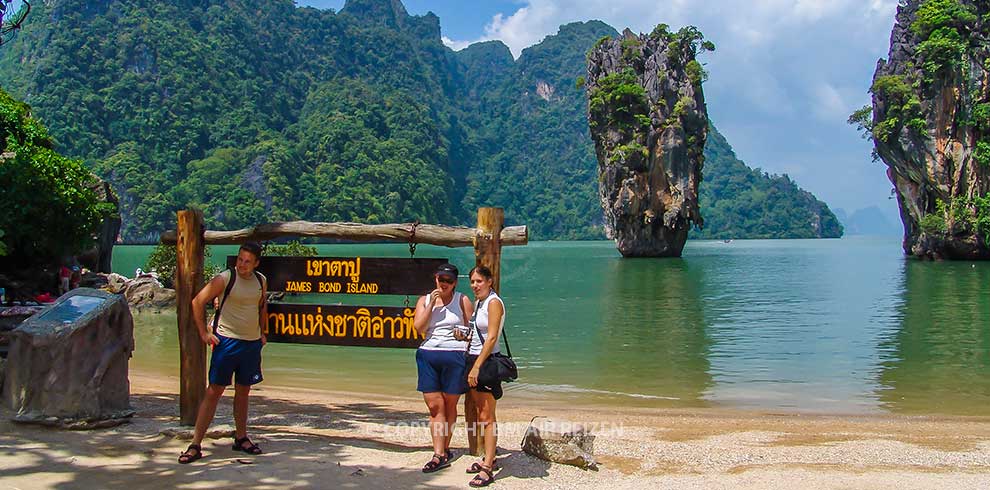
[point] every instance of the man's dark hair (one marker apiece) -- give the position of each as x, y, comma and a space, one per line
253, 247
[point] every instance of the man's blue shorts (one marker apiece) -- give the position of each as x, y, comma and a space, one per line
238, 358
441, 371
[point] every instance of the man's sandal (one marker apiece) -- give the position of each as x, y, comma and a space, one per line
188, 456
251, 448
438, 462
481, 481
477, 465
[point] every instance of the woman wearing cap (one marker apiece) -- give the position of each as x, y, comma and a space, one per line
442, 317
486, 326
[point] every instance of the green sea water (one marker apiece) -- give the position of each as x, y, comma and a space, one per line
828, 326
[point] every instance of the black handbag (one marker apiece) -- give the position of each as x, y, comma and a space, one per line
497, 367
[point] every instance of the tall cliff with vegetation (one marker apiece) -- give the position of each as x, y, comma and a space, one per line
930, 123
649, 123
277, 112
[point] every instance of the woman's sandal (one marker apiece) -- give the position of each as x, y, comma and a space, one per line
438, 462
251, 448
477, 465
480, 481
188, 456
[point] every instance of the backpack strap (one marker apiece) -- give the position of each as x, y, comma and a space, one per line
226, 292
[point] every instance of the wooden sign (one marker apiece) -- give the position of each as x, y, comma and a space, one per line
368, 326
348, 275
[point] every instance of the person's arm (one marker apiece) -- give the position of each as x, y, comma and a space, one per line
467, 311
495, 312
263, 312
421, 320
467, 308
212, 289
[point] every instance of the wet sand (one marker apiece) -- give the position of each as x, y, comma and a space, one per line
328, 439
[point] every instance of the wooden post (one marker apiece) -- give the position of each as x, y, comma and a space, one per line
188, 281
487, 252
488, 244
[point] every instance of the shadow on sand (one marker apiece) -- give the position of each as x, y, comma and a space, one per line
306, 445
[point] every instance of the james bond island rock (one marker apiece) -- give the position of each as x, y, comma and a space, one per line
649, 123
68, 364
930, 123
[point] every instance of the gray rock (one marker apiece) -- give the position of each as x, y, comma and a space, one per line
98, 258
3, 366
116, 283
560, 442
648, 140
147, 291
68, 363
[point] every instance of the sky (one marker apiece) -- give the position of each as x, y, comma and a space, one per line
784, 77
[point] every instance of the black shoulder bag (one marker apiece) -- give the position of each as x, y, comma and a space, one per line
497, 367
226, 292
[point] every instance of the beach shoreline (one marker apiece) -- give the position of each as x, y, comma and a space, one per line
316, 438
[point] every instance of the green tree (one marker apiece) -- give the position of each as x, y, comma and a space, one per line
50, 204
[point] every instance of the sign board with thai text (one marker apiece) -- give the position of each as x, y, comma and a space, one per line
348, 275
368, 326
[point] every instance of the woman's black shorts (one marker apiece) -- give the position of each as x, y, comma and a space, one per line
494, 389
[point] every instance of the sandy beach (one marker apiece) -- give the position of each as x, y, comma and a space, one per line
326, 439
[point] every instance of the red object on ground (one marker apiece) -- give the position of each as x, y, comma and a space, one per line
45, 298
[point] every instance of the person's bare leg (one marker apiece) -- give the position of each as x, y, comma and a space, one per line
450, 409
241, 393
438, 419
207, 409
486, 417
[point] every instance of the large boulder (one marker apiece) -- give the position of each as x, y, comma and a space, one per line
147, 291
560, 442
68, 363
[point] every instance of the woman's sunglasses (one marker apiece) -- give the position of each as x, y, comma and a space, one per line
446, 280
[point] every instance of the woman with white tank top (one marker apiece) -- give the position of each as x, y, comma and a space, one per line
442, 318
488, 321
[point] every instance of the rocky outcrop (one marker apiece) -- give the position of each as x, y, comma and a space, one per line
560, 442
649, 124
98, 258
931, 126
68, 363
144, 290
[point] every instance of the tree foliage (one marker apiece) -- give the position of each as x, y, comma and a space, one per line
49, 202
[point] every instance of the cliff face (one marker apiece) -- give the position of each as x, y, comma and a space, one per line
649, 124
931, 126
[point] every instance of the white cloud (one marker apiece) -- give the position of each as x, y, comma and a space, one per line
829, 104
455, 45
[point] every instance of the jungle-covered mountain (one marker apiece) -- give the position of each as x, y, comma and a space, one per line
271, 112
